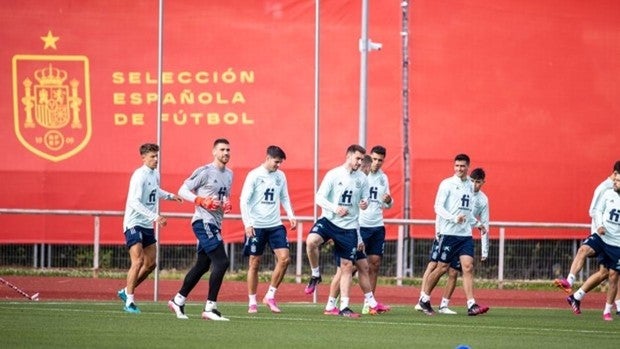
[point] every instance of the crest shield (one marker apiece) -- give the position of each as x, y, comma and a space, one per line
51, 104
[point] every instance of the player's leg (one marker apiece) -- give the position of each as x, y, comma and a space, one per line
220, 263
346, 276
374, 307
254, 248
193, 276
282, 261
280, 247
431, 281
588, 248
331, 307
429, 268
612, 291
448, 291
253, 266
136, 255
149, 262
314, 241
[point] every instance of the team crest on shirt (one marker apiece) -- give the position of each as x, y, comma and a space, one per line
358, 184
278, 182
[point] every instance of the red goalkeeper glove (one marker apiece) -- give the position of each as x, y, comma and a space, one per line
227, 206
207, 203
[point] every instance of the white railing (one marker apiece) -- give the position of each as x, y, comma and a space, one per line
401, 252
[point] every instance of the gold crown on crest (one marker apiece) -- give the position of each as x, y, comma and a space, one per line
50, 76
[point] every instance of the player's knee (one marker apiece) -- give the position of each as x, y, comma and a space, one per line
584, 251
284, 261
313, 241
453, 273
254, 263
150, 266
222, 264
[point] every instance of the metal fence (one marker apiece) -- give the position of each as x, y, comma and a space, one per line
406, 257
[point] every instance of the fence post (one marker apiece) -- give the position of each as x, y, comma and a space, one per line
400, 255
298, 260
500, 262
96, 242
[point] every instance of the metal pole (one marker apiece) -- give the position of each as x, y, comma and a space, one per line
399, 256
405, 114
363, 75
299, 258
317, 23
317, 40
160, 30
500, 262
96, 245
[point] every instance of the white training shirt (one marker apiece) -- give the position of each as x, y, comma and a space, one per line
378, 185
208, 181
142, 198
481, 214
341, 187
454, 197
261, 196
607, 215
596, 198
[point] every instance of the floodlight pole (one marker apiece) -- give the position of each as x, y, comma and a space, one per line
363, 47
160, 28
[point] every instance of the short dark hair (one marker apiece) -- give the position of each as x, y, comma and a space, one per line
220, 140
276, 152
356, 148
148, 147
478, 173
462, 157
367, 159
617, 166
378, 149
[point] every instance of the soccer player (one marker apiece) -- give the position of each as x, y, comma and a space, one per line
607, 220
453, 205
591, 247
209, 188
372, 227
140, 213
342, 193
481, 214
264, 190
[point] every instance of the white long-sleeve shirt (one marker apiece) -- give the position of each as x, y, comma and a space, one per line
454, 197
607, 215
261, 196
378, 185
481, 214
596, 198
143, 198
341, 187
208, 181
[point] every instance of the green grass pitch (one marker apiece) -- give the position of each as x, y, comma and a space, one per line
105, 325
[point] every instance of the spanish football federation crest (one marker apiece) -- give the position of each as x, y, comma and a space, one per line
51, 104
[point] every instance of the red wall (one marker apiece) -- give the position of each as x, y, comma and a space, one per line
528, 89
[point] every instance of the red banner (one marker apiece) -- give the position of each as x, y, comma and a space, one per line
528, 89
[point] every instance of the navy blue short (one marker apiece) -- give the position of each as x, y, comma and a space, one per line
456, 264
374, 240
610, 257
209, 236
595, 242
275, 236
345, 240
138, 234
451, 248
